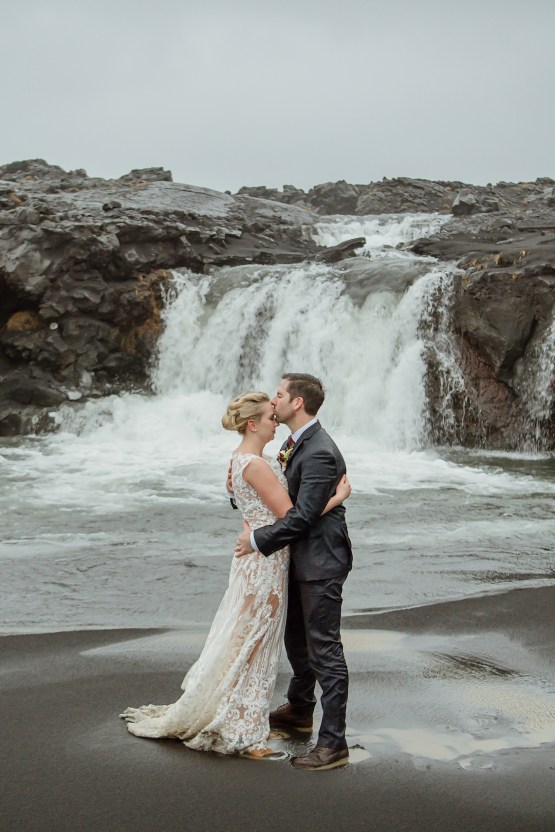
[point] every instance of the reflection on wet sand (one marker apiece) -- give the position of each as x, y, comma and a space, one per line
461, 693
461, 681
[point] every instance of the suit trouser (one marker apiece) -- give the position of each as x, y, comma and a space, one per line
315, 652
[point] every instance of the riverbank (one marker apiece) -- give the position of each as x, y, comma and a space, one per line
68, 762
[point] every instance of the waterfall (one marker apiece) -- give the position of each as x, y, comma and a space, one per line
302, 319
370, 327
540, 388
446, 383
357, 325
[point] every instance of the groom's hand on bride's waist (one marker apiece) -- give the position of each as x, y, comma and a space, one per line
243, 545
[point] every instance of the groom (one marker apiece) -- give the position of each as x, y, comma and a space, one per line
321, 558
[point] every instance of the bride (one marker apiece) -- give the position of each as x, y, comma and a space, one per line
227, 693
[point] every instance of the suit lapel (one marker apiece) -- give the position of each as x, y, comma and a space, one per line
303, 437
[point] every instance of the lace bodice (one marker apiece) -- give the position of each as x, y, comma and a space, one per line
249, 503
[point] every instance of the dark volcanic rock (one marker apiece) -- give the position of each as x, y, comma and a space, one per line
341, 251
19, 387
147, 175
404, 195
502, 309
289, 195
465, 203
390, 196
334, 198
84, 262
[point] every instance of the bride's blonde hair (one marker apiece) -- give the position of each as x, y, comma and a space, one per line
244, 407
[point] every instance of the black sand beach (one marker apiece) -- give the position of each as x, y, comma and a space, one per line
68, 763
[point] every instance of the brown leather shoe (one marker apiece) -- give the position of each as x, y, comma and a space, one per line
322, 758
286, 717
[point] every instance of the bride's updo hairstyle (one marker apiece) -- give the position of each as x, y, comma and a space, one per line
244, 407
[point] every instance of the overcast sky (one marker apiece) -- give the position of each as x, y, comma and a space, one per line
227, 93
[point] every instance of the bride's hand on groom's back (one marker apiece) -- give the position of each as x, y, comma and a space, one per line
344, 488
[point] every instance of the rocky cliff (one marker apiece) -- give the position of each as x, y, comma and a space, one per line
83, 267
501, 316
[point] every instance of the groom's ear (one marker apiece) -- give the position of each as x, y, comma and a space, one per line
297, 403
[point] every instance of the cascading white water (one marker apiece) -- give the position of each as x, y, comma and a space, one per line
381, 231
539, 401
244, 328
301, 319
445, 358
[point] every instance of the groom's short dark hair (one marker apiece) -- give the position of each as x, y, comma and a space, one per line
309, 388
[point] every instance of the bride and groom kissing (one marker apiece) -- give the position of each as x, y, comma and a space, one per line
286, 580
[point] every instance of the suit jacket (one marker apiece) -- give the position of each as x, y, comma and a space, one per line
319, 545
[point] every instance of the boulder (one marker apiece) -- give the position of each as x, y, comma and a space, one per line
341, 251
334, 198
21, 388
147, 175
17, 419
465, 203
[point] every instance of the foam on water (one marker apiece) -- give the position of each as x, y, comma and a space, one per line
380, 231
138, 479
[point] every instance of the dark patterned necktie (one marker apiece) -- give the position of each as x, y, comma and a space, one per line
290, 441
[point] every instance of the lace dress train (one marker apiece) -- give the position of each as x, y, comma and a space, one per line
227, 693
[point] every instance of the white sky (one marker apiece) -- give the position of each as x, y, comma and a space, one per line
227, 93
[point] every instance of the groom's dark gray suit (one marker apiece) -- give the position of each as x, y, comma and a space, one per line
321, 558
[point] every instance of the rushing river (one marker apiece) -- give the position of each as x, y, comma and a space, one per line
120, 519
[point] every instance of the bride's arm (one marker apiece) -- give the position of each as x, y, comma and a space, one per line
342, 493
259, 474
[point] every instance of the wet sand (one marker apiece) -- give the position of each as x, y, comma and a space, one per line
68, 763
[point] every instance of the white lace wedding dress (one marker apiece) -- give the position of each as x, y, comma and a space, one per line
227, 693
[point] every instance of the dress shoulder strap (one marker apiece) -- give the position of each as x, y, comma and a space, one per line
240, 461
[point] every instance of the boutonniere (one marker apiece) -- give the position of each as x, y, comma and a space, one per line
283, 457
